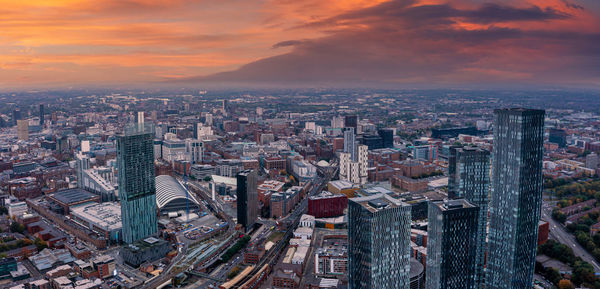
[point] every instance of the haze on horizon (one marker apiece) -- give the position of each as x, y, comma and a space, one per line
280, 42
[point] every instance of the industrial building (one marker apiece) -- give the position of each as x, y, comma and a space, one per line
66, 199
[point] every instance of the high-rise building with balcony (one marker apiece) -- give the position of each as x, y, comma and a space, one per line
355, 171
137, 189
516, 197
379, 242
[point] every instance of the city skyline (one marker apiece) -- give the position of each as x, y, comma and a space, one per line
466, 43
338, 144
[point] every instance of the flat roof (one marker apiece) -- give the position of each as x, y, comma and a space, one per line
105, 215
71, 196
377, 202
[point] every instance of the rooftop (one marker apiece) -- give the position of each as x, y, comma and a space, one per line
377, 202
71, 196
105, 215
447, 205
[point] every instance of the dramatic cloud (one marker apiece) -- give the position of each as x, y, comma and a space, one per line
402, 42
306, 42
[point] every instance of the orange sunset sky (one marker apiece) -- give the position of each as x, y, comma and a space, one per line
58, 43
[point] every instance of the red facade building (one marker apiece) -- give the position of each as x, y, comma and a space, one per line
327, 205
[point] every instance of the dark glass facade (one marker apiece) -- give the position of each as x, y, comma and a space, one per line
137, 189
387, 136
378, 242
452, 245
516, 198
469, 178
41, 114
351, 121
373, 142
247, 198
558, 136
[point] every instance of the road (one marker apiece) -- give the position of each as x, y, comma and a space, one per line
543, 282
273, 255
559, 233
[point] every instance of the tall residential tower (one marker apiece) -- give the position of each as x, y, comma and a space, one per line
137, 190
516, 197
379, 242
452, 245
469, 178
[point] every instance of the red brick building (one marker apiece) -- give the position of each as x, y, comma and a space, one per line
409, 184
285, 279
543, 232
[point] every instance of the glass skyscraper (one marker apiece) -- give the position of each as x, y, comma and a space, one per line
452, 245
379, 242
350, 145
247, 198
516, 197
469, 178
137, 190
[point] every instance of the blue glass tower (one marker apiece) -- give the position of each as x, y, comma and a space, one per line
378, 242
469, 178
137, 189
516, 198
452, 245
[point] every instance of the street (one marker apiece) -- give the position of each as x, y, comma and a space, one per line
559, 233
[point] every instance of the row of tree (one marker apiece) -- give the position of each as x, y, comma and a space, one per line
583, 272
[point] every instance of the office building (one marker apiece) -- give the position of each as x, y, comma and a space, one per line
373, 142
194, 149
351, 121
16, 115
425, 152
379, 242
469, 178
516, 197
225, 106
247, 198
100, 181
387, 137
200, 130
558, 136
137, 190
337, 122
208, 119
23, 129
41, 114
452, 245
453, 132
591, 161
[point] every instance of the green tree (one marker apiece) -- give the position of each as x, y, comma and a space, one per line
16, 227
